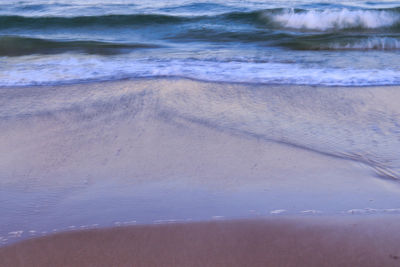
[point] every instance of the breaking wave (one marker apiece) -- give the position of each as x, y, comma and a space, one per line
322, 20
308, 19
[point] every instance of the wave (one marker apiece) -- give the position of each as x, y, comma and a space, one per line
303, 19
322, 28
341, 42
20, 46
322, 20
67, 68
384, 43
84, 21
265, 30
325, 41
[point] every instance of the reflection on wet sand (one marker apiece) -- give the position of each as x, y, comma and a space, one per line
157, 150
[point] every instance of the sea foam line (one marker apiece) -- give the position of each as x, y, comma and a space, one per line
60, 69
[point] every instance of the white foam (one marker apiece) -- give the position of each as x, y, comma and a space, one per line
166, 221
66, 68
277, 211
373, 43
364, 211
335, 19
310, 212
16, 233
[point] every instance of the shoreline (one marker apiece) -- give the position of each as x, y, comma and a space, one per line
285, 241
94, 82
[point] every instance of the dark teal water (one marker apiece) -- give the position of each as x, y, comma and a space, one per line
281, 42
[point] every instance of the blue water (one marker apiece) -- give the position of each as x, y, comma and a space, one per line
353, 43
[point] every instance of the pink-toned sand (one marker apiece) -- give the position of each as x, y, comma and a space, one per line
355, 241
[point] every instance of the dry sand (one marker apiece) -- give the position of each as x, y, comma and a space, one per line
307, 241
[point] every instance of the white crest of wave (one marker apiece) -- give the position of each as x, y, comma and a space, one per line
377, 43
336, 19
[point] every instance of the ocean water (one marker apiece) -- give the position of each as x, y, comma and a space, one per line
211, 109
351, 43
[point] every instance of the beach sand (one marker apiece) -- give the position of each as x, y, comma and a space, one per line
153, 150
317, 241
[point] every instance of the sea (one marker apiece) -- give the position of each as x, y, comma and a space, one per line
349, 43
119, 112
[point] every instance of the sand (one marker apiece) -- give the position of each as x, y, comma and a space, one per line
317, 241
177, 149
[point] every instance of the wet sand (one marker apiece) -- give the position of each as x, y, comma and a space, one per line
152, 150
305, 241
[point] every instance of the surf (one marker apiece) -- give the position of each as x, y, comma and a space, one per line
323, 20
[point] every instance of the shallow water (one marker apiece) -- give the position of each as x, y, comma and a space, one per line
161, 150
